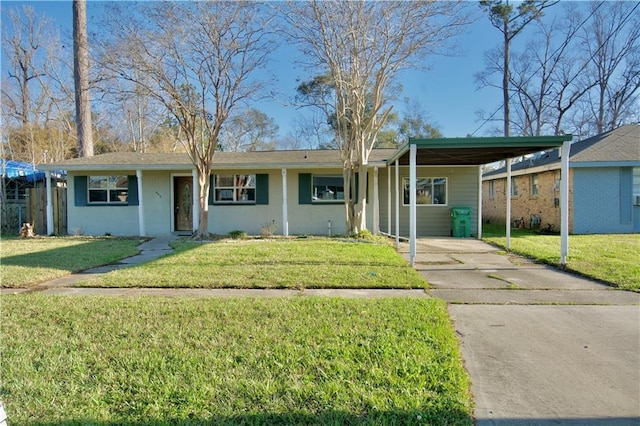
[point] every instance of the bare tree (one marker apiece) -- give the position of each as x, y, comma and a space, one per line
199, 60
612, 42
249, 130
510, 22
35, 101
363, 45
81, 79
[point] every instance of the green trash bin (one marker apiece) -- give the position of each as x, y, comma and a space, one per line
461, 222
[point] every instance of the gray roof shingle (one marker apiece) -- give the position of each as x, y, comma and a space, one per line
236, 160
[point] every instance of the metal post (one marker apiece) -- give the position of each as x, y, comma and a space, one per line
508, 198
564, 202
376, 201
47, 177
141, 227
412, 202
397, 205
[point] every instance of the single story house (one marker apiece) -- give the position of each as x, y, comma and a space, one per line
604, 186
301, 191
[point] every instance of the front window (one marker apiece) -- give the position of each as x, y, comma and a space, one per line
492, 189
327, 188
235, 188
108, 189
514, 187
430, 191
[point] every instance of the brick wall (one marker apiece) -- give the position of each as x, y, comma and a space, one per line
545, 204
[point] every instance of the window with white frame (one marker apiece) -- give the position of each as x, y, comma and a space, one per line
534, 184
514, 187
108, 189
327, 188
235, 188
430, 191
492, 189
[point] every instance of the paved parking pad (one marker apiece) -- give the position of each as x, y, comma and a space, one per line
552, 364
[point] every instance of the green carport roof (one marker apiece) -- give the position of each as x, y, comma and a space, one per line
474, 151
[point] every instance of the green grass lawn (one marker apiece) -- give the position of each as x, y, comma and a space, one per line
613, 258
152, 361
299, 263
26, 262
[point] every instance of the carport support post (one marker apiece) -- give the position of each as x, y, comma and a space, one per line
141, 226
389, 199
412, 202
397, 170
564, 201
479, 202
507, 196
285, 213
47, 179
376, 203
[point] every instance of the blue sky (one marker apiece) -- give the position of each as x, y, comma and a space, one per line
447, 91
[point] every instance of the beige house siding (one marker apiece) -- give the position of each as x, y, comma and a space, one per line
462, 191
545, 205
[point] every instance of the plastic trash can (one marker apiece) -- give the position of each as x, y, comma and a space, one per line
461, 222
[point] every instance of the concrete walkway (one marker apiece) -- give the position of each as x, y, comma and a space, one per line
541, 346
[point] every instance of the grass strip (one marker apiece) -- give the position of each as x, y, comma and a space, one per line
314, 263
612, 258
152, 361
27, 262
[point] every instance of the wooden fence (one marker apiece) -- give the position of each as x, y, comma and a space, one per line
37, 210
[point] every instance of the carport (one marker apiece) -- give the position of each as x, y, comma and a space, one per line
476, 152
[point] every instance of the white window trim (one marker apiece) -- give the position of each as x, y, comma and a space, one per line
446, 178
330, 201
234, 189
108, 189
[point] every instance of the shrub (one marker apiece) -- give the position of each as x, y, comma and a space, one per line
237, 234
268, 229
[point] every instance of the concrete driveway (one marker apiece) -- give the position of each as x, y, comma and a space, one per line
541, 346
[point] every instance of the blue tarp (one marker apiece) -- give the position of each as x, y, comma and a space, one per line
17, 169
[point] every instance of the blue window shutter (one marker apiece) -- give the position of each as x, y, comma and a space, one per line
80, 190
626, 192
262, 188
304, 188
133, 190
212, 189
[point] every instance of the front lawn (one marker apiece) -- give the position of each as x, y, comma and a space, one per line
612, 258
299, 263
152, 361
27, 262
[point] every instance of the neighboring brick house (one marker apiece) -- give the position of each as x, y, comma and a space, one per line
604, 187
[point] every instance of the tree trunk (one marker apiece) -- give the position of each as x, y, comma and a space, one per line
505, 80
203, 201
360, 216
81, 79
